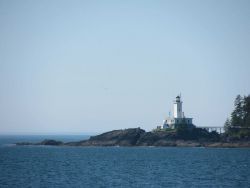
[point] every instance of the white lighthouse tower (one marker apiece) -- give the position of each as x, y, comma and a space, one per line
178, 117
178, 107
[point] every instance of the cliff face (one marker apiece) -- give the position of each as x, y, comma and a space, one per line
160, 138
139, 137
131, 137
126, 137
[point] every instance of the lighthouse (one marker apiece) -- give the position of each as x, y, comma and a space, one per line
178, 107
178, 117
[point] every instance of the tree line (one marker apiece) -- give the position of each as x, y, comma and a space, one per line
238, 124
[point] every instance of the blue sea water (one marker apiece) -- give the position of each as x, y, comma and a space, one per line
48, 166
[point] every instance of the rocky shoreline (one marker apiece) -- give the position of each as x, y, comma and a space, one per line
139, 137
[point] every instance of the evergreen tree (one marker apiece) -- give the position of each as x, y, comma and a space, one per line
238, 126
246, 110
237, 114
227, 125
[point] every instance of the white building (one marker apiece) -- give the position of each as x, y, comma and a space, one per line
178, 118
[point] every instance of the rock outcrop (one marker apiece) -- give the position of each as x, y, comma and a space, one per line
126, 137
139, 137
44, 142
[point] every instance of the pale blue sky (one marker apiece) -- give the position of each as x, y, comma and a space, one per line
94, 66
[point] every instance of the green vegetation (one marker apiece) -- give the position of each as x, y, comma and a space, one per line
238, 125
158, 129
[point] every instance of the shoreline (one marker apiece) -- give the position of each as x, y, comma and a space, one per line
184, 144
136, 137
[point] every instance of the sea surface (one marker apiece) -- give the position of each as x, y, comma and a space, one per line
53, 166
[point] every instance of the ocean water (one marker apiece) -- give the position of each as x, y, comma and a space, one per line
48, 166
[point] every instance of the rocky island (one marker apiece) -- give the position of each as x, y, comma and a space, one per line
182, 134
139, 137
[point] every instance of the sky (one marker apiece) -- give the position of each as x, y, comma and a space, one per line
75, 67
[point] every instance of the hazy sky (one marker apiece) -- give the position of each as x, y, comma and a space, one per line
94, 66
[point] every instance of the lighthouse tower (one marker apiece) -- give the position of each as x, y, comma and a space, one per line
178, 117
178, 107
